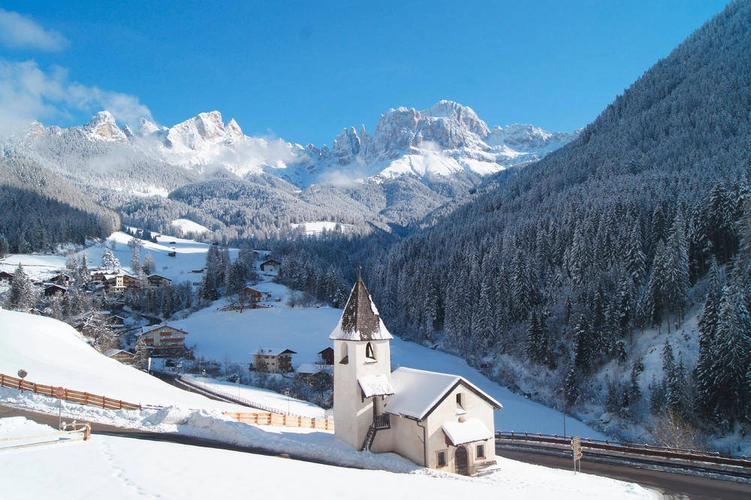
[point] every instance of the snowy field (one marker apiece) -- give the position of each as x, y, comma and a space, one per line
130, 468
53, 353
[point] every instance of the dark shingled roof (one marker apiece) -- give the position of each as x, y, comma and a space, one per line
360, 319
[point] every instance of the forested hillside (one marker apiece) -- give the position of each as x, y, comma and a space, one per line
39, 210
561, 268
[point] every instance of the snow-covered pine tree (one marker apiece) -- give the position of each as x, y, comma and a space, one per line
21, 295
109, 261
148, 266
135, 261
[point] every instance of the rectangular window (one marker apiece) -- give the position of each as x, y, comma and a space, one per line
480, 451
441, 459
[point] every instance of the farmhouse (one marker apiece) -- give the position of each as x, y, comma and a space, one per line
326, 356
273, 360
252, 296
62, 279
54, 290
164, 341
6, 278
117, 282
157, 281
437, 420
270, 266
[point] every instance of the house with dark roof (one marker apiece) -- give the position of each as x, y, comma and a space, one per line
271, 266
52, 290
437, 420
6, 278
273, 360
157, 281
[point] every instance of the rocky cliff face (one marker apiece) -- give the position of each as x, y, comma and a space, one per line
444, 140
414, 162
104, 128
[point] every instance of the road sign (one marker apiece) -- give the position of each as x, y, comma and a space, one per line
576, 446
59, 392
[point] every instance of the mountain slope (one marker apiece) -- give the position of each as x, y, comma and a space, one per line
39, 210
553, 275
415, 162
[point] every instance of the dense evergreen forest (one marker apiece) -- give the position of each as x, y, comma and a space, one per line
641, 220
40, 211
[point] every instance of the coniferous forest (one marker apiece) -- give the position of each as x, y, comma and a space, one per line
641, 222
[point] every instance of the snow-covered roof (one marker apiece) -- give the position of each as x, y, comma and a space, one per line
375, 385
312, 368
273, 351
111, 352
160, 327
417, 392
360, 319
471, 430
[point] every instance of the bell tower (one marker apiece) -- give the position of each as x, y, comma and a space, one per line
362, 367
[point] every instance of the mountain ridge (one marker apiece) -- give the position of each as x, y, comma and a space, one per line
414, 162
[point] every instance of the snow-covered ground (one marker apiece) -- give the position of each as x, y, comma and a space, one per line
53, 353
122, 468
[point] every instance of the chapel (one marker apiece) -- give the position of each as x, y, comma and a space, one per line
437, 420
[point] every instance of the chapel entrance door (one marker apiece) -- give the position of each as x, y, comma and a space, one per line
461, 460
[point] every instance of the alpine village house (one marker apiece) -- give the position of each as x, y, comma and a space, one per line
437, 420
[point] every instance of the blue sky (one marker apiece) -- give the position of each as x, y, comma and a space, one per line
302, 71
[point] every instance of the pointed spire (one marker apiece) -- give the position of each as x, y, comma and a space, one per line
360, 319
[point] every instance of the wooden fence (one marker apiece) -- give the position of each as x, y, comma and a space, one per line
69, 432
282, 420
83, 398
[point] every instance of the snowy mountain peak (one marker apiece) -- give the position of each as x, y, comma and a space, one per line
528, 138
446, 126
346, 146
201, 131
146, 127
104, 128
460, 114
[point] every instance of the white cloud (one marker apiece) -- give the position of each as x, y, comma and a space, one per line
28, 93
17, 31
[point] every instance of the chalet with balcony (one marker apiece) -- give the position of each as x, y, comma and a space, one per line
273, 360
164, 341
157, 281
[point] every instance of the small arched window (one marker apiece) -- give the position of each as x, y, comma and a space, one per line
369, 352
345, 354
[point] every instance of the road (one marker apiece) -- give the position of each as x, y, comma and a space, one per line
672, 484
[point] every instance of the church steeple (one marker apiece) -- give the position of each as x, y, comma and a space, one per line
362, 367
360, 319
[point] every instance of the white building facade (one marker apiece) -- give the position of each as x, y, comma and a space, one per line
437, 420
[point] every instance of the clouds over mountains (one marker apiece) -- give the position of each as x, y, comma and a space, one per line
30, 92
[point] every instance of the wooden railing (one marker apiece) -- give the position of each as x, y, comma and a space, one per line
282, 420
83, 398
68, 433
